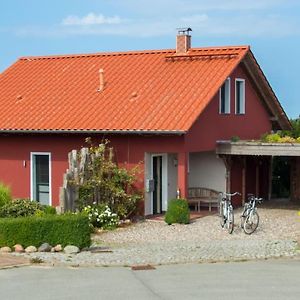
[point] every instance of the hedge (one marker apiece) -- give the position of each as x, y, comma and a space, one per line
53, 229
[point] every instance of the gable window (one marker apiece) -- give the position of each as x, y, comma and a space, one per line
239, 96
225, 97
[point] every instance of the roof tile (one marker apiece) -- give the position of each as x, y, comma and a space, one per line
145, 90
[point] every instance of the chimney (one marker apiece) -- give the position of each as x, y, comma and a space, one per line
183, 40
101, 80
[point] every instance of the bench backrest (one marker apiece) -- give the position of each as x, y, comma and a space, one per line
200, 192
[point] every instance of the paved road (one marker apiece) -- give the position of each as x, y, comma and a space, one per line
276, 279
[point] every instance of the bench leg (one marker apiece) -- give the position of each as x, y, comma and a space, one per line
209, 207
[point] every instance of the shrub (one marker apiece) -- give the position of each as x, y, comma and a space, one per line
69, 229
101, 216
20, 208
178, 212
287, 139
49, 210
272, 138
102, 181
5, 194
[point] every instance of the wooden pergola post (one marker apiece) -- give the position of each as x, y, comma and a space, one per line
244, 172
228, 163
257, 177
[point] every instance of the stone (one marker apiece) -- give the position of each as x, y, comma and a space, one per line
70, 249
30, 249
18, 248
58, 248
5, 250
45, 247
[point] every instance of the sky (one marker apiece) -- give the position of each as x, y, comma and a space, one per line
270, 27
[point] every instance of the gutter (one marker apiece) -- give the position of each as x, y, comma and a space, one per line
138, 132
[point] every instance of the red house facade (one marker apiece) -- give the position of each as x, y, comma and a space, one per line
164, 110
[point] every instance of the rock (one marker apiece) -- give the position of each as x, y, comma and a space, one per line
70, 249
45, 247
58, 248
30, 249
18, 248
5, 250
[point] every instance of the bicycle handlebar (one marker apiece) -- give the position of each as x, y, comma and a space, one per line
231, 195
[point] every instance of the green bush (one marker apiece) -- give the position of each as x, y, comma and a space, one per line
101, 216
20, 208
69, 229
49, 210
178, 212
5, 194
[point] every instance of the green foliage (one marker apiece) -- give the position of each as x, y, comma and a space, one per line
103, 182
25, 207
271, 138
49, 210
53, 229
178, 212
235, 138
5, 194
279, 138
101, 216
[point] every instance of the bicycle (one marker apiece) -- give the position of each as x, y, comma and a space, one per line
250, 217
226, 211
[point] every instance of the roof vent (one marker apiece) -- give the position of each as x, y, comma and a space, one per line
101, 80
183, 40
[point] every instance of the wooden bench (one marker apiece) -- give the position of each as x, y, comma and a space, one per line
199, 196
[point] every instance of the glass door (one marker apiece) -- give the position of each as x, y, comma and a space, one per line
40, 186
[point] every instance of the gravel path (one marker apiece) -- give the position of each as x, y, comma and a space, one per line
155, 242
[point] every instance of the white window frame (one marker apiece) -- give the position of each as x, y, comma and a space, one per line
227, 98
243, 100
32, 154
164, 186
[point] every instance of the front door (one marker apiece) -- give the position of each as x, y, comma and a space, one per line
157, 178
40, 178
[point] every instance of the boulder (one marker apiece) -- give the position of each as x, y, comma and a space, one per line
58, 248
18, 248
5, 250
45, 247
70, 249
30, 249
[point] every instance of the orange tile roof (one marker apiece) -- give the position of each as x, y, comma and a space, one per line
144, 91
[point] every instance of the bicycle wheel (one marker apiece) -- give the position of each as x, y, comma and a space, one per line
251, 222
221, 214
230, 220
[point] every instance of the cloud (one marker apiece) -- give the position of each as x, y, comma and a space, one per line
91, 19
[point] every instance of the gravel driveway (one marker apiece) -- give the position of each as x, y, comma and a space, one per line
155, 242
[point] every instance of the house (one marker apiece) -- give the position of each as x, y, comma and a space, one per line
164, 109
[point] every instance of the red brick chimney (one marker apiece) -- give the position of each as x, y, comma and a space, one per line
183, 40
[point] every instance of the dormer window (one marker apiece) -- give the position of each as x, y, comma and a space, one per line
239, 96
225, 97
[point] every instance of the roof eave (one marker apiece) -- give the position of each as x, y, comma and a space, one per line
269, 96
132, 132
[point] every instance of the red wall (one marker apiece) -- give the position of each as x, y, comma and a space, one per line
130, 150
212, 126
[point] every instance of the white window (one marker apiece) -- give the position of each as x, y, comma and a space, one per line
239, 96
225, 97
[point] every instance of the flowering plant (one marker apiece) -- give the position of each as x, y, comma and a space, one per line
101, 216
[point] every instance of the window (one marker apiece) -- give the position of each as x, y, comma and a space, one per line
239, 96
225, 97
